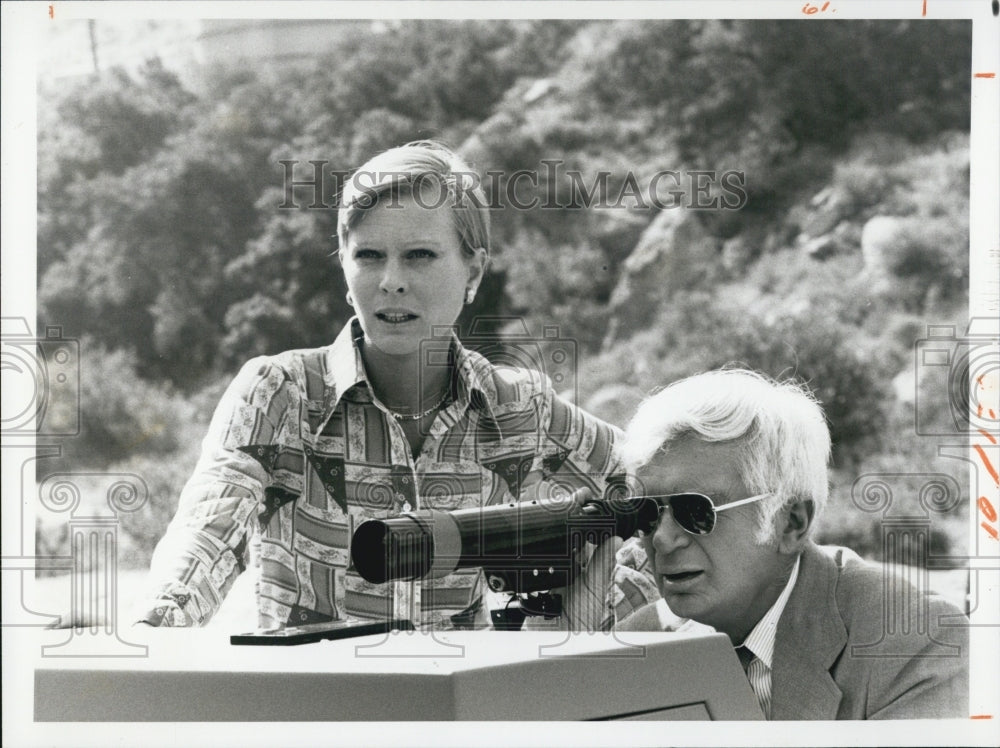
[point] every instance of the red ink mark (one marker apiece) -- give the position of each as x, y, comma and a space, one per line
992, 414
924, 12
52, 12
991, 530
981, 716
987, 508
987, 464
984, 75
988, 435
810, 9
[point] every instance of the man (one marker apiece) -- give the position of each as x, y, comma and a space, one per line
738, 464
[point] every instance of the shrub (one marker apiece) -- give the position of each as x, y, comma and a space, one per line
120, 413
142, 529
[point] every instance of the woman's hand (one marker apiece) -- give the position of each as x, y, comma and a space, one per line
82, 621
79, 620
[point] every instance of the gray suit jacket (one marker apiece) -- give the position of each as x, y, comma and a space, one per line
856, 643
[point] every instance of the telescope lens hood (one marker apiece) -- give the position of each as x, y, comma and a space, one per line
398, 548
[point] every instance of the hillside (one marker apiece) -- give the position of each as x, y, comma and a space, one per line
830, 230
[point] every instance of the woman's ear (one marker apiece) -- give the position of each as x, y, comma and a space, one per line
798, 518
477, 268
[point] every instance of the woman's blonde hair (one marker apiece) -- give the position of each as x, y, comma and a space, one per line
417, 169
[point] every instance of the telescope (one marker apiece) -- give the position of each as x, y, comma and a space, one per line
523, 547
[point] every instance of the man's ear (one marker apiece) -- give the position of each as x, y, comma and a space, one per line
797, 519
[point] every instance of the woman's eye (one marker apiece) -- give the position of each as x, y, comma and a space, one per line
420, 254
366, 254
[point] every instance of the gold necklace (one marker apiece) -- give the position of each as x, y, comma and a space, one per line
418, 416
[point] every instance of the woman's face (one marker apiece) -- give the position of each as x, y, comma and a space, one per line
406, 271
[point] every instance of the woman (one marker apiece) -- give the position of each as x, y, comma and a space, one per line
395, 415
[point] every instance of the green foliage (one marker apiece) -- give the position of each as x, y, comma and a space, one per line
104, 128
905, 463
142, 529
699, 331
121, 414
548, 282
752, 95
161, 238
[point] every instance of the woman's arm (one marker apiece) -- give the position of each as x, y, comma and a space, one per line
207, 543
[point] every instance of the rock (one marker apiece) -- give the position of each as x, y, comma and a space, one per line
618, 231
539, 88
822, 247
832, 205
905, 387
780, 238
675, 252
881, 239
848, 233
737, 254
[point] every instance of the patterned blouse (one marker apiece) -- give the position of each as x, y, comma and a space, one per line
298, 454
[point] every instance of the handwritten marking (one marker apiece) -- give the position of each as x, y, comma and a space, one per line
981, 716
987, 508
987, 464
984, 75
810, 9
52, 12
988, 513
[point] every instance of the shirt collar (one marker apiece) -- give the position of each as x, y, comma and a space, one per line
344, 366
760, 640
475, 374
345, 369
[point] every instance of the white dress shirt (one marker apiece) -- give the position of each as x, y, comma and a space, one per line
760, 642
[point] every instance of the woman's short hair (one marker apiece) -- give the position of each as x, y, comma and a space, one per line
781, 432
430, 171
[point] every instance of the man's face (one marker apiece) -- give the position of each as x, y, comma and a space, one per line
723, 579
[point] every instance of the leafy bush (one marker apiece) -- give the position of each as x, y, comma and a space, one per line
700, 331
142, 529
161, 239
122, 414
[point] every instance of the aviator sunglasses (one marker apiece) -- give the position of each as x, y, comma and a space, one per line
695, 513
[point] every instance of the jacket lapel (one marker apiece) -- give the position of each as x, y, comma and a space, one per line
810, 637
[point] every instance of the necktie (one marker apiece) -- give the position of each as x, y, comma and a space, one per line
747, 659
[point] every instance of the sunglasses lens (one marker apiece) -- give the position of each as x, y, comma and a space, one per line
693, 512
648, 518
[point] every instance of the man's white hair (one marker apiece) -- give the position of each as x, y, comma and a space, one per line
781, 432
